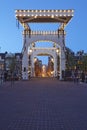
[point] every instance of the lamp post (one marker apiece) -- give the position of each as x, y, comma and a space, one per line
29, 68
35, 66
58, 62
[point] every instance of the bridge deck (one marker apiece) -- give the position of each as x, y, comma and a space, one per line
43, 104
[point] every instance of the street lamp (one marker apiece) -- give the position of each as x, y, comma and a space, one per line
57, 50
52, 60
35, 59
58, 62
30, 51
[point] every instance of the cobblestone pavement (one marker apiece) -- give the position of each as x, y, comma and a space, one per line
43, 104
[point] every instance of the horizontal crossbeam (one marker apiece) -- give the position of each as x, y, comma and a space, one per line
43, 16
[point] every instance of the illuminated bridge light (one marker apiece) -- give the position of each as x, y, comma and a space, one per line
64, 10
48, 15
60, 10
24, 15
44, 15
52, 16
52, 11
60, 15
40, 10
35, 16
36, 10
68, 10
64, 15
40, 15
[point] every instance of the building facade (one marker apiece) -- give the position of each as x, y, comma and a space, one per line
11, 63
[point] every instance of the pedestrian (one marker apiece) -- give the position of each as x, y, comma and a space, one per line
73, 76
5, 76
83, 76
58, 75
76, 79
1, 79
12, 79
86, 77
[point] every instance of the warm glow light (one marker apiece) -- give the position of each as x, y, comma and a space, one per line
36, 11
68, 10
64, 10
40, 10
48, 15
57, 50
30, 51
64, 15
35, 59
35, 16
52, 72
52, 59
52, 16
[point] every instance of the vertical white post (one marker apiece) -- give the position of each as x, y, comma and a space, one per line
55, 65
62, 63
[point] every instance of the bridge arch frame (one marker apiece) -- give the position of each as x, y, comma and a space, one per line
29, 37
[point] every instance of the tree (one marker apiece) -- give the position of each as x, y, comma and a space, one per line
82, 60
70, 59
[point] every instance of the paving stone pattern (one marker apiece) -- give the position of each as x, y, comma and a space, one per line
43, 104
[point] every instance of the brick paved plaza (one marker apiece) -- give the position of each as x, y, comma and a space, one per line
43, 104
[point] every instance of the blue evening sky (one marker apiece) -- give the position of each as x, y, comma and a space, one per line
11, 36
